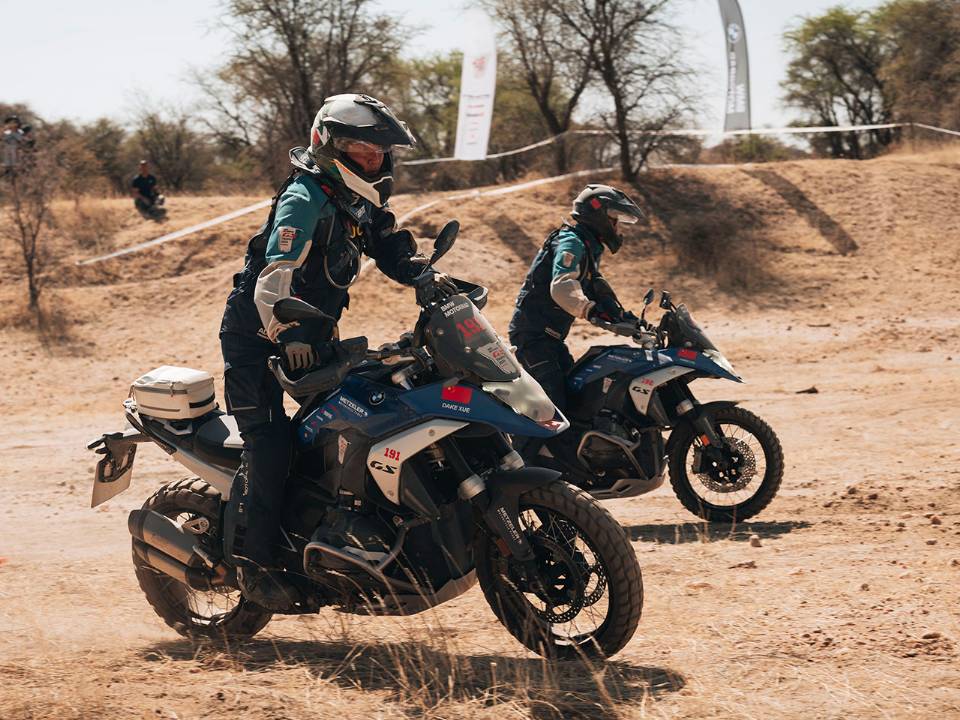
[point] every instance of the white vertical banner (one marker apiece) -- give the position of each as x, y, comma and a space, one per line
737, 110
478, 82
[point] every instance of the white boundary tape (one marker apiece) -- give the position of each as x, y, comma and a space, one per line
179, 233
522, 186
473, 194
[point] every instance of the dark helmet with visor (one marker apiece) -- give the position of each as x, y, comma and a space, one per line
601, 208
352, 141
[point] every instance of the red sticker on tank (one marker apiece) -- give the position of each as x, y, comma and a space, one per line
457, 394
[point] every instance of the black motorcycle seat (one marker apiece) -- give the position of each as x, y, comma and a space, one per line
218, 441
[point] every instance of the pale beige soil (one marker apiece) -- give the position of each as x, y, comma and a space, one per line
849, 608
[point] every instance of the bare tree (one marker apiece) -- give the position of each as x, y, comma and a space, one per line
29, 190
288, 56
635, 51
556, 71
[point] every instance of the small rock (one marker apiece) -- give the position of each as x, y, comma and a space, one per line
812, 390
931, 542
935, 520
955, 563
873, 496
755, 541
851, 490
699, 586
865, 587
931, 636
748, 565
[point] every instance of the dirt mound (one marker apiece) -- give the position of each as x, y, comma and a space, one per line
846, 609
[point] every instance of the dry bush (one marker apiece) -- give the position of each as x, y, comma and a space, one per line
715, 246
711, 236
88, 224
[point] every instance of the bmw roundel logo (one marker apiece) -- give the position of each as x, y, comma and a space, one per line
376, 398
734, 33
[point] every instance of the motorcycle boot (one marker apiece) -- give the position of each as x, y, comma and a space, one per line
266, 588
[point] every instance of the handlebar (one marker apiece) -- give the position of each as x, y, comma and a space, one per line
350, 353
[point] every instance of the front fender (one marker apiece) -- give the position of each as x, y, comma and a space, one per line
514, 483
687, 420
502, 505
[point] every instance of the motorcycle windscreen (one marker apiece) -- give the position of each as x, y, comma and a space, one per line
692, 331
461, 339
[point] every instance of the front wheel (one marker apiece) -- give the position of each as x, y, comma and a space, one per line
587, 595
729, 483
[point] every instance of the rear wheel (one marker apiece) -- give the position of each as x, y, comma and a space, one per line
219, 613
731, 483
589, 594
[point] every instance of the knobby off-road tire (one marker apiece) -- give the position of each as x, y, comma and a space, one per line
172, 600
623, 581
769, 485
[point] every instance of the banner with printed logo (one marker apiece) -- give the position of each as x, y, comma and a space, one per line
478, 82
737, 111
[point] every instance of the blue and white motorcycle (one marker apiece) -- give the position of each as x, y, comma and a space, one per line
725, 463
404, 491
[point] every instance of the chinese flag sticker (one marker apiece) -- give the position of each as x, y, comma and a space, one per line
457, 393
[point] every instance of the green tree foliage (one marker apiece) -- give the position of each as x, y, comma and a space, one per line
922, 59
835, 76
181, 156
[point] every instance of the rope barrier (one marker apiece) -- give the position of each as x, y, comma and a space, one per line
680, 132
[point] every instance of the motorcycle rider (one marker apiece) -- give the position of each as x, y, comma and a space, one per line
560, 287
330, 210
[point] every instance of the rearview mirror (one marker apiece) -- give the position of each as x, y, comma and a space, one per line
445, 240
293, 309
648, 298
665, 301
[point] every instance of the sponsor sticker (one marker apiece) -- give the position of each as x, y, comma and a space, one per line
497, 354
452, 308
353, 406
687, 354
286, 236
342, 445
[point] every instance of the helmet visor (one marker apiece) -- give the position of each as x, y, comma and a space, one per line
618, 216
367, 156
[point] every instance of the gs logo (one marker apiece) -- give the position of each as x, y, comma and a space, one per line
382, 467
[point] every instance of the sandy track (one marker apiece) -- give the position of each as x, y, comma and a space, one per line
851, 610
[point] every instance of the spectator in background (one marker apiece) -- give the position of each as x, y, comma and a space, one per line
14, 141
146, 196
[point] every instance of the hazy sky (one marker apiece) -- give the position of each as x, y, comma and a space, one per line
81, 60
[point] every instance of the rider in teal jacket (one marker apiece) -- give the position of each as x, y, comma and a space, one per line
330, 212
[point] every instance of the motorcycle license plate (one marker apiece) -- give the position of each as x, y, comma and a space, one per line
112, 474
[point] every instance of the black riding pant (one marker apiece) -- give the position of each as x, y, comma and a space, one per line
255, 399
548, 361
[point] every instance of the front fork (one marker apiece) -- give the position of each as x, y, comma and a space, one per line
497, 501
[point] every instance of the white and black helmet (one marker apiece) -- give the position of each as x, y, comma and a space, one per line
601, 208
350, 134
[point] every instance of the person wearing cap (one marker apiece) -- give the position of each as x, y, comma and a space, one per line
559, 287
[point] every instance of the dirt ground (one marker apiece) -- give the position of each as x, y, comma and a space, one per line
849, 608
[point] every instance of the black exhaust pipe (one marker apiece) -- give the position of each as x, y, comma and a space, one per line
165, 547
159, 532
195, 578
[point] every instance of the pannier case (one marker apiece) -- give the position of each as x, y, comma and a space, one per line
174, 393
